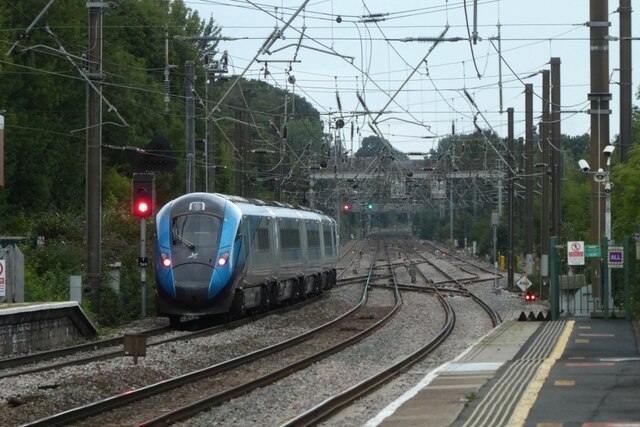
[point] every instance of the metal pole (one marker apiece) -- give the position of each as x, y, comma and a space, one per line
607, 222
626, 127
1, 150
94, 153
495, 261
210, 149
554, 268
605, 264
599, 110
189, 83
627, 271
556, 154
544, 140
510, 199
475, 22
495, 220
451, 211
528, 199
143, 268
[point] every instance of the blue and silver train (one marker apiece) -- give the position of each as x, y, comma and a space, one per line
219, 254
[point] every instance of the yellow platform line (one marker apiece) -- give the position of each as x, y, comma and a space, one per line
521, 412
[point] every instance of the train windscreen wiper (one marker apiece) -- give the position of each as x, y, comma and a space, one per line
183, 240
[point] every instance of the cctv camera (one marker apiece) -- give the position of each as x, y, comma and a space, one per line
608, 150
600, 175
607, 188
584, 165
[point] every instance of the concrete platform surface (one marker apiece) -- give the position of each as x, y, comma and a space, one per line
567, 373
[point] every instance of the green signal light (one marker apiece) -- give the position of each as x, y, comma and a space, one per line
370, 205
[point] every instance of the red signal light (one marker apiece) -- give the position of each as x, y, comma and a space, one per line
143, 193
142, 208
528, 296
346, 207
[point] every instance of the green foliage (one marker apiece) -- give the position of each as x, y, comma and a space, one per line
625, 195
575, 205
373, 146
44, 96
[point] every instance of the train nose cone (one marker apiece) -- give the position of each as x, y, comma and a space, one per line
192, 284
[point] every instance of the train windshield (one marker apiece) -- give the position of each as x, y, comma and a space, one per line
195, 230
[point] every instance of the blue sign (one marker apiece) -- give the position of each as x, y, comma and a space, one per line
616, 257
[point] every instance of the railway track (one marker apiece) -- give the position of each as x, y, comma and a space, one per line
365, 323
341, 400
140, 405
28, 359
113, 347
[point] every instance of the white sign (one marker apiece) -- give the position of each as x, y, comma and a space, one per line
523, 283
3, 289
575, 253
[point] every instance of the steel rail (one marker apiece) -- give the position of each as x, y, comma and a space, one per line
347, 397
188, 411
112, 342
114, 402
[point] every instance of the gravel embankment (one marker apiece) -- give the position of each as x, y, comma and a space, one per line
30, 397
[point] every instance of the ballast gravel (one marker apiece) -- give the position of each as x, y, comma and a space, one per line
30, 397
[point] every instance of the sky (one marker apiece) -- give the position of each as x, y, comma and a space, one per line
353, 50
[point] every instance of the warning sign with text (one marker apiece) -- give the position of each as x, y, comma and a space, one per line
575, 253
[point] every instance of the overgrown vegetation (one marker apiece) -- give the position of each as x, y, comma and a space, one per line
43, 98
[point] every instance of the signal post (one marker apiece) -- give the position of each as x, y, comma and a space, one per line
143, 206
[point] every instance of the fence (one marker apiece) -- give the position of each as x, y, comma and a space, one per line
571, 294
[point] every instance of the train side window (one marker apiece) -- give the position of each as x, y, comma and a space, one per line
290, 239
313, 240
328, 240
264, 245
259, 234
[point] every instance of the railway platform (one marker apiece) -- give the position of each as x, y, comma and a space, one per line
28, 327
578, 372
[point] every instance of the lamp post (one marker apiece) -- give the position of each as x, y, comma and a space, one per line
607, 231
603, 176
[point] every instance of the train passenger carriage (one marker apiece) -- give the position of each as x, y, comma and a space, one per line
219, 254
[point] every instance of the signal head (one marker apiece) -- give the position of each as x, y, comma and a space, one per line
143, 195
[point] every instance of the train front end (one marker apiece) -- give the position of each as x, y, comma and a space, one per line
196, 255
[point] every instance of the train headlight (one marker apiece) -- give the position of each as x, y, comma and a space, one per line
165, 260
222, 261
